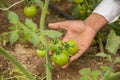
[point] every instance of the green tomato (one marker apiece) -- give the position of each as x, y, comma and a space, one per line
78, 1
81, 9
55, 45
30, 11
41, 53
82, 12
60, 59
71, 47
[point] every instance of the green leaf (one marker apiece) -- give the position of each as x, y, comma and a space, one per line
75, 12
39, 3
107, 74
117, 60
52, 33
102, 54
27, 36
113, 42
30, 24
85, 71
95, 74
35, 39
12, 28
114, 76
13, 37
105, 68
85, 78
13, 17
109, 58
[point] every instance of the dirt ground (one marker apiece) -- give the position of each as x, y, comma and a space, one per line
26, 53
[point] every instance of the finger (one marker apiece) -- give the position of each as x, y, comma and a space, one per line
64, 67
53, 63
64, 39
59, 25
50, 53
76, 56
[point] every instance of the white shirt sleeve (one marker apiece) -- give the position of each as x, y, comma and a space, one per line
110, 9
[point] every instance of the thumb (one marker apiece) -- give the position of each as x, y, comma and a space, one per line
59, 25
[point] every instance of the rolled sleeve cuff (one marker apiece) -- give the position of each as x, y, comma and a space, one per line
110, 9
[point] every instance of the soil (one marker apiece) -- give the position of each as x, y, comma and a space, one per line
26, 53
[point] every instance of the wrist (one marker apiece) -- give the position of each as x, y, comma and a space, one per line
95, 21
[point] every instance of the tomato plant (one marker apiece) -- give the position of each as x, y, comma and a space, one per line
29, 31
30, 11
61, 58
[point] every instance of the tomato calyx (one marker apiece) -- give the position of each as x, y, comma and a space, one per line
56, 45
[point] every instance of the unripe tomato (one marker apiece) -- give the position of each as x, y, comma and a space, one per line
30, 11
81, 9
71, 47
78, 1
60, 59
41, 53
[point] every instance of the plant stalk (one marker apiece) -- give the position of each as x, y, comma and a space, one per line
100, 44
15, 62
42, 24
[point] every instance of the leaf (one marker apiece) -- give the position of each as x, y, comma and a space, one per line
85, 78
13, 37
113, 42
102, 54
30, 24
75, 12
39, 3
117, 60
35, 39
85, 71
109, 58
12, 28
52, 33
114, 76
107, 74
95, 73
27, 36
13, 17
104, 68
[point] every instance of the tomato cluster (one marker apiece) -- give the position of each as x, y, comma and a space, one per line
61, 51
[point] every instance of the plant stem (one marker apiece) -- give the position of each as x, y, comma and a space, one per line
99, 37
100, 44
43, 14
42, 22
15, 62
12, 5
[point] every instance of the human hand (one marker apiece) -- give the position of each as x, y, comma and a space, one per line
78, 31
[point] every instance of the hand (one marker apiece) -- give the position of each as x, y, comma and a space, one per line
78, 31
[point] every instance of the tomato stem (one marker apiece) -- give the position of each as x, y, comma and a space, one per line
42, 22
100, 44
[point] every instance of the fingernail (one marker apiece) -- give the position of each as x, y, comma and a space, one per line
50, 24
